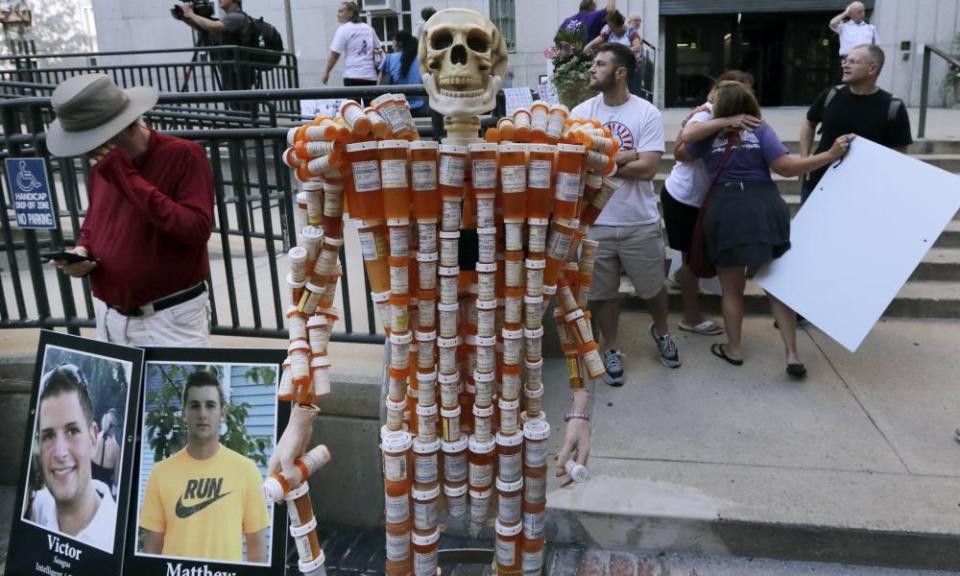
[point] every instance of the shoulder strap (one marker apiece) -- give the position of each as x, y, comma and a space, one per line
895, 104
831, 94
727, 152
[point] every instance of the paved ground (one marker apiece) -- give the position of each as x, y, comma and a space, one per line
865, 442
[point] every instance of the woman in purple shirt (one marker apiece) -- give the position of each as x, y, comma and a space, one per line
747, 223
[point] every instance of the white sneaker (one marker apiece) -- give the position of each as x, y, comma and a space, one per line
669, 356
611, 361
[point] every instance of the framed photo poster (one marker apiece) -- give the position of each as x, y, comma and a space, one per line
70, 513
210, 419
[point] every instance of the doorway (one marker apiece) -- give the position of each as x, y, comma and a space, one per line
792, 56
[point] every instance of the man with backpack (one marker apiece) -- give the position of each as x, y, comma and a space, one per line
237, 28
857, 106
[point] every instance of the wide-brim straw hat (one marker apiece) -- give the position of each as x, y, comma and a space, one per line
91, 110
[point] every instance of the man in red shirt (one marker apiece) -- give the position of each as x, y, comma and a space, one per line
149, 218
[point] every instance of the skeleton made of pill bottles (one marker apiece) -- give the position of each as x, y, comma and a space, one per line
463, 59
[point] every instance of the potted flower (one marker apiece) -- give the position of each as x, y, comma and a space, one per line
571, 68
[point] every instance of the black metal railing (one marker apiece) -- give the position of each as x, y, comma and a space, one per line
954, 64
198, 69
647, 70
253, 222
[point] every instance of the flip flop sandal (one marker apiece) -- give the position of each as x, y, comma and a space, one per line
797, 370
717, 350
705, 328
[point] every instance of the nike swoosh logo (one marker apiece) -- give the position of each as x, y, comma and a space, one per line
188, 511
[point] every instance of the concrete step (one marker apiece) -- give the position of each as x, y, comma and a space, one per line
918, 147
660, 507
939, 264
950, 237
948, 162
573, 561
789, 188
917, 299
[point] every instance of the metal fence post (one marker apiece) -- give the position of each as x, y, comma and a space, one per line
924, 92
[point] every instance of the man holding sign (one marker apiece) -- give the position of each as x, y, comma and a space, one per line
858, 106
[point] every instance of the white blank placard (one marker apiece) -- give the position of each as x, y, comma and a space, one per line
858, 238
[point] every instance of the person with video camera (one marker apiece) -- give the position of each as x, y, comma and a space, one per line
236, 74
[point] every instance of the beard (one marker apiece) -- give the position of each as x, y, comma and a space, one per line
601, 84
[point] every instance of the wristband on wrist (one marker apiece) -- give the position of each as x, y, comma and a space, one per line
575, 414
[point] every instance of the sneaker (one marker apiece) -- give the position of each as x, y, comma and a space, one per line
611, 361
669, 356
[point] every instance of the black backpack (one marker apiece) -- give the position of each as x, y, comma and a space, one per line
262, 35
892, 111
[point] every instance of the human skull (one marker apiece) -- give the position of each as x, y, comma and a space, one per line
463, 59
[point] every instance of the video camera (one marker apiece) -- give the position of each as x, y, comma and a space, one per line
200, 7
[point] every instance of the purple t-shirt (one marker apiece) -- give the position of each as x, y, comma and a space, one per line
748, 162
592, 21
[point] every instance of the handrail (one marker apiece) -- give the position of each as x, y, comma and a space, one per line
925, 82
217, 47
257, 95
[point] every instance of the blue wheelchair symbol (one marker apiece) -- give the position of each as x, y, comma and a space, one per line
26, 181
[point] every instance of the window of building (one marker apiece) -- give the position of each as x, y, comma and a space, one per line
386, 24
504, 16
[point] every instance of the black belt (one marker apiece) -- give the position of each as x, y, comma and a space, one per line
163, 303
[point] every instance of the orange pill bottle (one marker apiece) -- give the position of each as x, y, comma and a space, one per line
356, 120
513, 180
451, 171
393, 177
366, 200
540, 180
423, 179
509, 542
569, 166
483, 168
539, 118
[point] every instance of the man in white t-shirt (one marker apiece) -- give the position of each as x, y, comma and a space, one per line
358, 44
71, 502
101, 529
628, 229
853, 29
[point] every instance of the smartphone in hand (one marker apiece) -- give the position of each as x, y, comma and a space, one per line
64, 255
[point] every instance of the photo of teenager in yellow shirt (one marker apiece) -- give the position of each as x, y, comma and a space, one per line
205, 501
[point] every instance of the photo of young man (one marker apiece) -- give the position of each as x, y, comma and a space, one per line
205, 501
71, 501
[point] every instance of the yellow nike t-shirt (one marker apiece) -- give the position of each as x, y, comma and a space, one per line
203, 507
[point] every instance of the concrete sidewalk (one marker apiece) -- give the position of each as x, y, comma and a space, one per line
855, 464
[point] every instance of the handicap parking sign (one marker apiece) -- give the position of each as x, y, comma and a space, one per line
30, 192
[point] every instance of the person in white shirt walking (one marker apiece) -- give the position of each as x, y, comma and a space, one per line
853, 29
358, 44
628, 229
